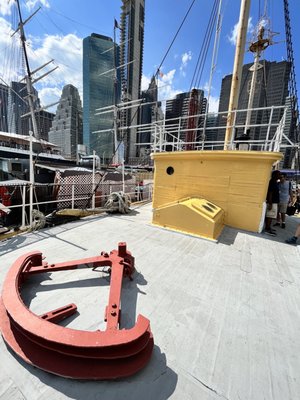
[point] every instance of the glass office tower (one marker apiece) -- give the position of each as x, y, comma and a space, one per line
98, 91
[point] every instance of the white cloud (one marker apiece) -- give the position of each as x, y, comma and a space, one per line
30, 4
206, 87
65, 50
233, 35
5, 32
185, 58
145, 82
168, 76
49, 96
67, 54
166, 89
213, 104
213, 100
5, 7
9, 47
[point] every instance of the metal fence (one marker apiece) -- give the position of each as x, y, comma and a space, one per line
50, 197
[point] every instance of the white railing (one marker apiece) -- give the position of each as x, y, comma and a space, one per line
170, 134
50, 197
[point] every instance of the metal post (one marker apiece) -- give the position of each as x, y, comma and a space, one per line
162, 132
269, 128
23, 205
123, 175
115, 157
73, 195
160, 139
31, 178
155, 139
178, 133
93, 180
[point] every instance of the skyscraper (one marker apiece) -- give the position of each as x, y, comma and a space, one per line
66, 130
3, 108
150, 112
98, 91
44, 120
19, 119
177, 111
271, 89
131, 61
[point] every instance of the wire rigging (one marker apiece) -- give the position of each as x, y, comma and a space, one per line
204, 48
174, 38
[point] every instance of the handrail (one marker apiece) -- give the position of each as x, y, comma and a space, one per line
71, 200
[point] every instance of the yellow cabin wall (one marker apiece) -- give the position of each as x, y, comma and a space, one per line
236, 181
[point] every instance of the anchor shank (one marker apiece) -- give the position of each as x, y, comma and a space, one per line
113, 308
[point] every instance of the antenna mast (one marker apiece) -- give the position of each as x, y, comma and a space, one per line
256, 47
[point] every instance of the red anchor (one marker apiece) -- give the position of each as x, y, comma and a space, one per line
109, 354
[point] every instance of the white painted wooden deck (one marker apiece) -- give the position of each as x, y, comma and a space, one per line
225, 316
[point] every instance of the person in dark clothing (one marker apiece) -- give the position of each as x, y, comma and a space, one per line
272, 202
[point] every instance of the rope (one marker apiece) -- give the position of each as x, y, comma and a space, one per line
38, 221
118, 202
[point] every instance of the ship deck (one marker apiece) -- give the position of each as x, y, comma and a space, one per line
225, 315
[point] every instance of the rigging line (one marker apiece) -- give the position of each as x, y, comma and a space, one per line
10, 88
201, 50
10, 52
49, 17
73, 20
58, 62
206, 48
205, 43
178, 30
266, 7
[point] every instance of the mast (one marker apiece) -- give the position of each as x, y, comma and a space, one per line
256, 48
28, 77
31, 97
237, 70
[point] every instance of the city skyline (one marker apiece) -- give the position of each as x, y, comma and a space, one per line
57, 31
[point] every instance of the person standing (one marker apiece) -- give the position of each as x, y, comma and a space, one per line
285, 197
293, 239
272, 202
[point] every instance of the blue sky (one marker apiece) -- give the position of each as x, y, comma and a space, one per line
59, 27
